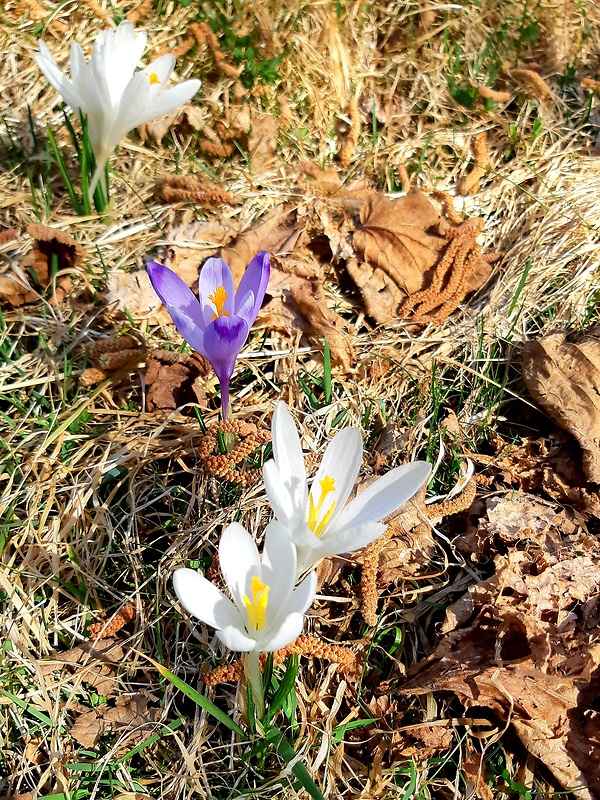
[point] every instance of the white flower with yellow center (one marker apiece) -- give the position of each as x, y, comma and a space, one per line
319, 522
267, 612
107, 90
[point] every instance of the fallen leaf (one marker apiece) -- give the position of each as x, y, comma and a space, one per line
406, 251
190, 244
172, 380
22, 796
132, 292
563, 376
95, 663
262, 142
53, 252
549, 464
476, 774
298, 305
524, 644
130, 718
16, 291
192, 117
277, 233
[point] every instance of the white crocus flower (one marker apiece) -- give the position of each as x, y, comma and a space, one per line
267, 612
318, 521
107, 90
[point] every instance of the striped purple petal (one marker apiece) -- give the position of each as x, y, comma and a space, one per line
181, 303
252, 288
223, 340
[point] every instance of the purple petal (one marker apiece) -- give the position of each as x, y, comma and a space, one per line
223, 340
181, 303
255, 281
216, 281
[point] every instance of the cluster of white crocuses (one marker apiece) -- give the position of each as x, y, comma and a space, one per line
109, 92
269, 598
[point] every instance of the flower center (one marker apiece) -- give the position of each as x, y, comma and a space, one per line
257, 607
153, 78
218, 298
314, 510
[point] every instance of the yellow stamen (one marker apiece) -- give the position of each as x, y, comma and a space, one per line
153, 78
219, 297
257, 607
327, 486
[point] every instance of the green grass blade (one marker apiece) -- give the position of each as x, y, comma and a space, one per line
172, 726
327, 372
64, 174
199, 699
39, 715
288, 754
520, 287
285, 687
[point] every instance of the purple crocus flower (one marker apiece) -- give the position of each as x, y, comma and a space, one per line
217, 325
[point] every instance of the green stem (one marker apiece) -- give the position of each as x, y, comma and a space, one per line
254, 679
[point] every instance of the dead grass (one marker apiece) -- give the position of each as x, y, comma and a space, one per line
102, 500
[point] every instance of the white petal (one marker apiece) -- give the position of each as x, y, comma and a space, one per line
239, 561
384, 496
79, 71
133, 105
278, 495
237, 640
341, 462
162, 68
290, 629
350, 539
279, 567
56, 78
288, 455
168, 101
204, 601
303, 595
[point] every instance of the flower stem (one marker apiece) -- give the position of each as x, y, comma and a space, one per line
254, 679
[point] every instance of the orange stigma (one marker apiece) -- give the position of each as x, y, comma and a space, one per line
218, 297
153, 78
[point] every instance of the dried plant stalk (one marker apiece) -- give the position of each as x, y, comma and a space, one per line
471, 184
303, 646
104, 630
181, 188
351, 138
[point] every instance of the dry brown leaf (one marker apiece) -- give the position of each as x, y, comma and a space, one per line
191, 244
277, 233
132, 292
190, 116
529, 650
298, 305
172, 380
262, 142
476, 773
130, 718
51, 244
551, 465
563, 376
401, 244
16, 291
95, 663
22, 796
